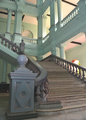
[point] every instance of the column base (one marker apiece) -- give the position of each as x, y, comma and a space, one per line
52, 29
58, 25
17, 38
39, 58
20, 116
7, 35
55, 51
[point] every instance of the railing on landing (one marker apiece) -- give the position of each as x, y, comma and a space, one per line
29, 40
41, 82
74, 69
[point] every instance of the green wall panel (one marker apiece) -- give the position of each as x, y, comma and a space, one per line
8, 71
1, 67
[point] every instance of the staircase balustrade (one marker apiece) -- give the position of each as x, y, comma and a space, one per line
10, 44
74, 69
41, 82
69, 17
29, 40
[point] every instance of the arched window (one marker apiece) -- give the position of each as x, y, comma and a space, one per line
27, 33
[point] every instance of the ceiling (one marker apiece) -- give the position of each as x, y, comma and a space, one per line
66, 9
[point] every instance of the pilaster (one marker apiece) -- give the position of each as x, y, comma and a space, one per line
4, 72
52, 13
62, 51
60, 14
17, 27
7, 34
55, 51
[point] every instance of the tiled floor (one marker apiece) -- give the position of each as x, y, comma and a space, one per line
81, 115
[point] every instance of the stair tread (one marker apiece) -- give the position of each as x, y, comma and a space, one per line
65, 107
64, 87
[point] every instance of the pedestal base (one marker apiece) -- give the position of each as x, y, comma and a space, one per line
20, 116
17, 38
7, 35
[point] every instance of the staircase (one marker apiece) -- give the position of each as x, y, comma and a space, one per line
66, 91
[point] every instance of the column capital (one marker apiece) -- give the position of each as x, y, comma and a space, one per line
41, 16
19, 11
10, 10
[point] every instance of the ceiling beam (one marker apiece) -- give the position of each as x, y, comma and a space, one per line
48, 14
23, 17
76, 42
5, 13
70, 3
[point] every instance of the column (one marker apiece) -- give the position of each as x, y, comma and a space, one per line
41, 32
7, 34
4, 72
41, 27
62, 51
17, 26
59, 8
52, 15
60, 15
55, 51
39, 2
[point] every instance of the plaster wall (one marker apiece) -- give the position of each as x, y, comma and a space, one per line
78, 52
25, 26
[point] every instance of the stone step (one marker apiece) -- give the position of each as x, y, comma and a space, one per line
62, 79
60, 89
66, 109
59, 74
73, 93
65, 82
49, 105
66, 97
55, 86
63, 87
73, 102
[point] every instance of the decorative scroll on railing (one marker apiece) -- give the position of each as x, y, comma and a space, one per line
72, 68
45, 38
70, 16
11, 45
29, 40
41, 82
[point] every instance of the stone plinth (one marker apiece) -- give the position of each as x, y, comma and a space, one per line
21, 97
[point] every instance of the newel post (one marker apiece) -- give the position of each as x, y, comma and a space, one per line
21, 97
22, 46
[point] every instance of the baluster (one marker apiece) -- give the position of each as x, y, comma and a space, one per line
80, 75
37, 94
57, 61
15, 49
5, 43
78, 72
2, 41
69, 67
83, 75
65, 65
9, 45
73, 70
